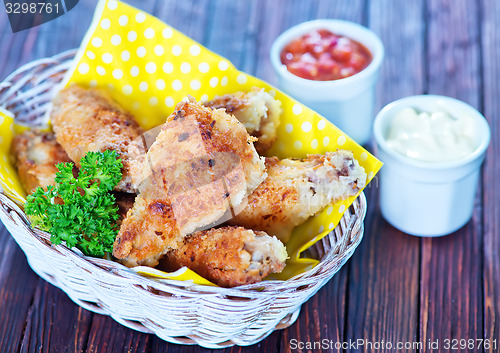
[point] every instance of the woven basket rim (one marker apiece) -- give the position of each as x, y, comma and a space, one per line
121, 270
359, 206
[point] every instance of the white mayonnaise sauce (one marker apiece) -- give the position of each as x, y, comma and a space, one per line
431, 137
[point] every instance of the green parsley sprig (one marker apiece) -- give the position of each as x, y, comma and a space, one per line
80, 211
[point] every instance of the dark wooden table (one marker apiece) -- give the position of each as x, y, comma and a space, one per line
396, 288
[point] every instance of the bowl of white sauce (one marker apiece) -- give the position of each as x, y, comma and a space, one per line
432, 148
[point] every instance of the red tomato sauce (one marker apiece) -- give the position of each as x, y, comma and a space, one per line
324, 56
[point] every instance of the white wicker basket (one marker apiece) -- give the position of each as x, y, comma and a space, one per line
175, 311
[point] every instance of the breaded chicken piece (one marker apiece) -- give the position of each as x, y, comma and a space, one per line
295, 190
36, 154
88, 120
201, 167
229, 256
257, 110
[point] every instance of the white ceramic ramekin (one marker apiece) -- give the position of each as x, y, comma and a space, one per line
347, 102
428, 198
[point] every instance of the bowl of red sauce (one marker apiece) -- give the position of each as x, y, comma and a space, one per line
332, 66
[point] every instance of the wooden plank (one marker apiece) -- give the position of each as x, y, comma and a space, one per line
384, 273
491, 191
55, 323
451, 286
190, 16
107, 335
17, 287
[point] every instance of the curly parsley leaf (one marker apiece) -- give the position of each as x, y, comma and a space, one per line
80, 211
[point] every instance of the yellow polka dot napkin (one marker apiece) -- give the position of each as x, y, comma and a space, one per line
148, 67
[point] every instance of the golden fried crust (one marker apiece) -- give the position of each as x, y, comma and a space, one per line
87, 120
295, 190
36, 154
257, 110
202, 163
228, 256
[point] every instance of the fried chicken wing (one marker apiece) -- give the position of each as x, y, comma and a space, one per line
229, 256
88, 120
295, 190
201, 168
257, 110
36, 154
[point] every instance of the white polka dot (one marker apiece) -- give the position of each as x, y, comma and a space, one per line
297, 144
341, 208
127, 90
214, 81
363, 157
118, 74
111, 86
134, 71
241, 79
289, 128
306, 126
176, 50
330, 226
321, 124
321, 229
224, 81
132, 36
341, 140
329, 210
314, 144
5, 159
90, 55
140, 17
136, 105
203, 67
116, 39
125, 55
100, 70
105, 23
93, 83
112, 5
223, 65
194, 50
167, 32
204, 98
83, 68
169, 102
153, 101
326, 141
123, 20
97, 42
168, 67
195, 85
159, 50
297, 109
150, 67
141, 52
160, 84
149, 33
370, 175
185, 68
107, 58
143, 86
176, 85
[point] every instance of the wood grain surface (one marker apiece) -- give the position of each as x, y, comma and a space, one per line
396, 288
